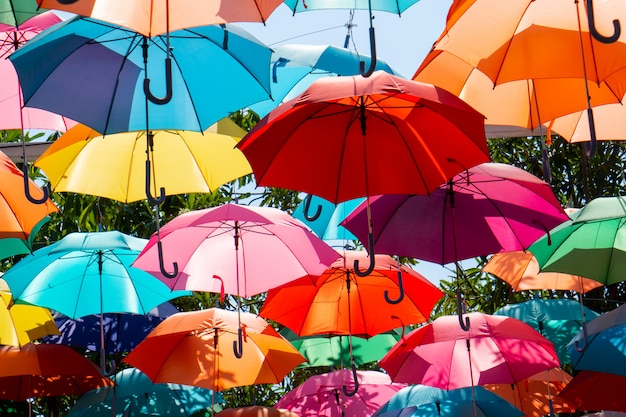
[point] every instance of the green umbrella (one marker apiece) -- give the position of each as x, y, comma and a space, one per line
592, 245
12, 246
334, 350
16, 12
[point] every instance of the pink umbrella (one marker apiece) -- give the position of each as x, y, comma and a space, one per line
322, 395
495, 350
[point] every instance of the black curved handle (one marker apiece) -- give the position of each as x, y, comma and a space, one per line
465, 324
372, 66
617, 29
307, 207
370, 239
161, 264
238, 344
581, 348
592, 145
45, 189
356, 384
168, 85
400, 287
151, 199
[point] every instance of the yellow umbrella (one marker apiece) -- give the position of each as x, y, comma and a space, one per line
22, 323
113, 166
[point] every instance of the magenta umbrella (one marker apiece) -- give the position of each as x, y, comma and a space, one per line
322, 395
495, 350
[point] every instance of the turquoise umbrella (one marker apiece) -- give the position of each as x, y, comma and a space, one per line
135, 394
558, 320
323, 217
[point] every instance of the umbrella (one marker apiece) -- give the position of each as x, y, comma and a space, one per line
12, 246
256, 411
21, 324
19, 217
151, 18
296, 66
593, 390
198, 348
113, 166
322, 395
122, 331
430, 401
520, 269
16, 12
135, 394
328, 350
93, 72
609, 124
559, 320
600, 345
326, 217
370, 125
495, 350
537, 395
12, 37
41, 370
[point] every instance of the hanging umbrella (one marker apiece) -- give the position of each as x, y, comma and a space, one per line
40, 370
16, 12
12, 246
559, 320
609, 124
495, 350
256, 411
537, 395
593, 390
296, 66
21, 324
600, 345
426, 401
151, 18
322, 395
113, 166
122, 331
520, 269
198, 348
355, 113
134, 394
325, 218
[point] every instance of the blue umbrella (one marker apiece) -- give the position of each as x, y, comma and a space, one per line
294, 67
122, 331
135, 394
436, 402
323, 217
94, 72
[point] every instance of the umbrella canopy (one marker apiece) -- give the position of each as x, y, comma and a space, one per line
296, 66
21, 324
122, 331
88, 273
537, 395
489, 208
425, 401
559, 320
236, 249
590, 245
600, 346
495, 349
520, 269
12, 113
113, 166
196, 348
12, 246
609, 124
16, 12
93, 72
375, 139
322, 395
593, 390
134, 394
384, 5
324, 217
256, 411
340, 302
40, 370
156, 17
18, 216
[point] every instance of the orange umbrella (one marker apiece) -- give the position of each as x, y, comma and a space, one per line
18, 216
45, 371
197, 348
610, 124
536, 395
521, 270
256, 411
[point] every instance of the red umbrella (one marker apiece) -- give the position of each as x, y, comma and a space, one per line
357, 137
593, 390
495, 350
